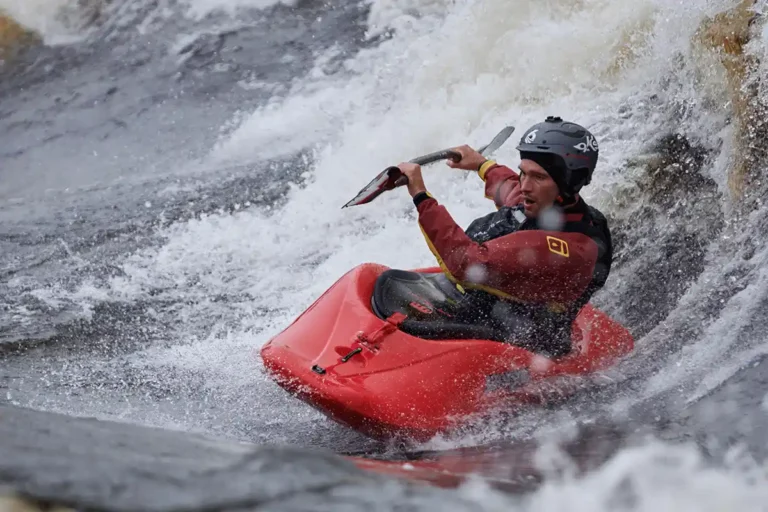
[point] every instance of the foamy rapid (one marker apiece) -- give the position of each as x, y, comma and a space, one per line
67, 21
649, 478
201, 8
454, 72
441, 82
48, 18
656, 477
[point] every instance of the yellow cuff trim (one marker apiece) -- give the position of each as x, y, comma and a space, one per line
484, 168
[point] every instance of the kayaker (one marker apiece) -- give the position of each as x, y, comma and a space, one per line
529, 267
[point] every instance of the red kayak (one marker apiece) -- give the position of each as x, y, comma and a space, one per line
360, 367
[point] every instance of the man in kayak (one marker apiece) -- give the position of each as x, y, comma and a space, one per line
529, 267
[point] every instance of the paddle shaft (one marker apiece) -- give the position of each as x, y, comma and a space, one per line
392, 177
446, 154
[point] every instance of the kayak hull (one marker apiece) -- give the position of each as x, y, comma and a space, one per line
363, 372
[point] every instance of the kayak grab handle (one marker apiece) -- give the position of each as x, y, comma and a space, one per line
351, 354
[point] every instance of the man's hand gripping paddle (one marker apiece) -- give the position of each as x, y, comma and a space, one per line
391, 177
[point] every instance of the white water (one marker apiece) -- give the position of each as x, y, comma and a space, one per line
455, 72
653, 478
48, 18
63, 21
201, 8
442, 82
656, 477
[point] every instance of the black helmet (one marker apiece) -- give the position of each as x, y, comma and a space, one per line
567, 151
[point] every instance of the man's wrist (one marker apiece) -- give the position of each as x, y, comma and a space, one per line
421, 197
484, 168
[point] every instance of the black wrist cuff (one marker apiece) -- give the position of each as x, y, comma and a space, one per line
421, 196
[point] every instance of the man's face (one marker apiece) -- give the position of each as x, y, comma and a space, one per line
538, 188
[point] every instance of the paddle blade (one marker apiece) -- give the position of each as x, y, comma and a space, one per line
381, 183
497, 141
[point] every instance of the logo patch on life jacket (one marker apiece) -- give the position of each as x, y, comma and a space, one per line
557, 246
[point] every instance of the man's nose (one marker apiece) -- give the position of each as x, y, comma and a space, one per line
525, 184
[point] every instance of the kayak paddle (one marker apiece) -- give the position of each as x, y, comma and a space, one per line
391, 177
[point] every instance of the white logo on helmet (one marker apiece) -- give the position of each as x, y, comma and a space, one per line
531, 137
590, 145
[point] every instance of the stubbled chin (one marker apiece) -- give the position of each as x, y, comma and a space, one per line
530, 210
